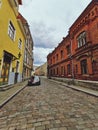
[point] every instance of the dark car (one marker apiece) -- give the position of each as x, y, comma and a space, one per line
34, 80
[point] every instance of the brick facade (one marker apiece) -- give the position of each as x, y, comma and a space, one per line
77, 54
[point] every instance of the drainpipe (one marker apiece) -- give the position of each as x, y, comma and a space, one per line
0, 66
72, 63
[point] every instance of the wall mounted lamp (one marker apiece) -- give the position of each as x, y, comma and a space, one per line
19, 55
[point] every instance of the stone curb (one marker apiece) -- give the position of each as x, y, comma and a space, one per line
79, 88
12, 96
87, 91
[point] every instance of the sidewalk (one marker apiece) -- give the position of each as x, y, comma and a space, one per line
79, 88
6, 95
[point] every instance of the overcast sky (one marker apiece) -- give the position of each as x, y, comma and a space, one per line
49, 22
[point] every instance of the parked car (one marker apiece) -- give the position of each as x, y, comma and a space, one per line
34, 80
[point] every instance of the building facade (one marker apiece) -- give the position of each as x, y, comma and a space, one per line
41, 70
28, 49
12, 40
77, 55
28, 53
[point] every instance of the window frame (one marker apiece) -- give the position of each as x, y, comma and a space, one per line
81, 39
84, 69
68, 69
11, 30
68, 48
0, 3
20, 43
57, 70
62, 54
56, 57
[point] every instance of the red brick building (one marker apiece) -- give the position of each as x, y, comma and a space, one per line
77, 54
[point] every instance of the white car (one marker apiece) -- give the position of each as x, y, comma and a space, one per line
34, 80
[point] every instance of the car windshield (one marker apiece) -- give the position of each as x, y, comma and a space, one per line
36, 78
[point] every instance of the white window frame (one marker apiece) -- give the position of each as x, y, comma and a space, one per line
11, 30
20, 43
16, 2
81, 39
0, 3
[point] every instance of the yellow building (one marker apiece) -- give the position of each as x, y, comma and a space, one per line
12, 39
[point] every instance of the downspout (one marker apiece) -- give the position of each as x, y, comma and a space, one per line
1, 61
72, 61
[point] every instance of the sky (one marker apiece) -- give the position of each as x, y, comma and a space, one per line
49, 22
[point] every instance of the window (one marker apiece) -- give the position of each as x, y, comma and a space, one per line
54, 59
0, 3
27, 59
68, 69
53, 71
20, 44
16, 3
57, 71
62, 70
61, 54
51, 61
25, 56
84, 66
17, 66
57, 57
27, 41
76, 66
81, 39
11, 31
68, 49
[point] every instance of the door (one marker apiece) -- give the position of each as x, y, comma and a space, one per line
5, 72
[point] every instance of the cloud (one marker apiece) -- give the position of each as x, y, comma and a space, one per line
40, 55
49, 22
43, 36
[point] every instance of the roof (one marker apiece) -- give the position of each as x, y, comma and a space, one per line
23, 20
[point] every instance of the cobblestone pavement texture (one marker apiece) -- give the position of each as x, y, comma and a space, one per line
7, 94
50, 106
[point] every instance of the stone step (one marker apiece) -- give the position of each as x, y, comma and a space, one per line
6, 87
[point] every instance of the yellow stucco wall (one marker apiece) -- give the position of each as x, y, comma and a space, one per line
6, 43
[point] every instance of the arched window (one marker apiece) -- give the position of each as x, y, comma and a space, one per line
81, 39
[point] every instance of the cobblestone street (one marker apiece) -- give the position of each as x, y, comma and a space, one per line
50, 106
